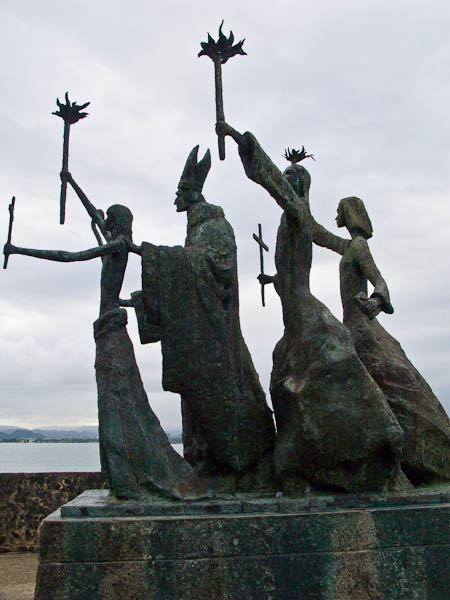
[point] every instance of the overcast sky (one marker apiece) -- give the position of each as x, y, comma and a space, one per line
365, 86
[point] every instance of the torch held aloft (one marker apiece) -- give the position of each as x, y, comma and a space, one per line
11, 221
220, 115
70, 113
219, 52
65, 167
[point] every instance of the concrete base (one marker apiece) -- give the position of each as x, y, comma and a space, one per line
318, 547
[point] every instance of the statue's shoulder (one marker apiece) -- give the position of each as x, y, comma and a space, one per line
204, 211
359, 247
212, 211
359, 242
207, 225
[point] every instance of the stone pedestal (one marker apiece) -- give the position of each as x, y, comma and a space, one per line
318, 547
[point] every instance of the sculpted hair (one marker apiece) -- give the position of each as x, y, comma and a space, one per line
123, 219
356, 216
303, 182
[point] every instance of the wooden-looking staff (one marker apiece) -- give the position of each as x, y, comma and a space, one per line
219, 52
70, 113
11, 221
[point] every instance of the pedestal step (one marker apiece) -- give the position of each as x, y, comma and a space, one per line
367, 547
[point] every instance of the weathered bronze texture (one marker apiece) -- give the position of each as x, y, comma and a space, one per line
334, 405
219, 52
319, 547
426, 448
135, 453
190, 302
334, 426
70, 114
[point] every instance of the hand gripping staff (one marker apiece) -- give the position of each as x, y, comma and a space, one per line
262, 246
70, 114
219, 52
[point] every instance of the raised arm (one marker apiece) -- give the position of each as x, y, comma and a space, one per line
260, 169
63, 255
224, 129
326, 239
97, 216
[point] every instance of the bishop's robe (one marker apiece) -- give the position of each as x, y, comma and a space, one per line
190, 302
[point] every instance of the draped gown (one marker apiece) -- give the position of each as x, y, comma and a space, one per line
334, 426
426, 451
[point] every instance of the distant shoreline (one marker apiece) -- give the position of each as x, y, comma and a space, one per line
172, 440
49, 441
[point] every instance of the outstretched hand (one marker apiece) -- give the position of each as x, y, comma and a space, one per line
263, 278
128, 303
9, 249
66, 176
369, 306
223, 128
132, 247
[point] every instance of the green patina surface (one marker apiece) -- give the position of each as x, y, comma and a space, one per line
390, 547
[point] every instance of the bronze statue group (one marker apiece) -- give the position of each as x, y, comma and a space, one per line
352, 414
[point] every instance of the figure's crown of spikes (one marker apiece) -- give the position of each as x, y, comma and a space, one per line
295, 156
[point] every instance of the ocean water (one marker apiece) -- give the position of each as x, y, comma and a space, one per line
52, 458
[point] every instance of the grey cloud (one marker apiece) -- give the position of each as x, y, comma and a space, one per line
360, 84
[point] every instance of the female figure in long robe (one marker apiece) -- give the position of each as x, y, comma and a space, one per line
334, 426
426, 448
135, 453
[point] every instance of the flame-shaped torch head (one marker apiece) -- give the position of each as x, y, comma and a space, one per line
223, 49
70, 113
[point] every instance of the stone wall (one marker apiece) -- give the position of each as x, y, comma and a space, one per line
26, 498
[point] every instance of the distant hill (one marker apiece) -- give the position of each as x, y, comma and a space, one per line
83, 432
91, 428
21, 434
58, 434
80, 432
174, 433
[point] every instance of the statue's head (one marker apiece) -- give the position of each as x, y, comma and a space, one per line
119, 221
184, 198
351, 213
299, 178
191, 183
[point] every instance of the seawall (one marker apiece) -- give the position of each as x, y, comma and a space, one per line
27, 498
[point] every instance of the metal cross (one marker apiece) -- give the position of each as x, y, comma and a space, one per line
262, 246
